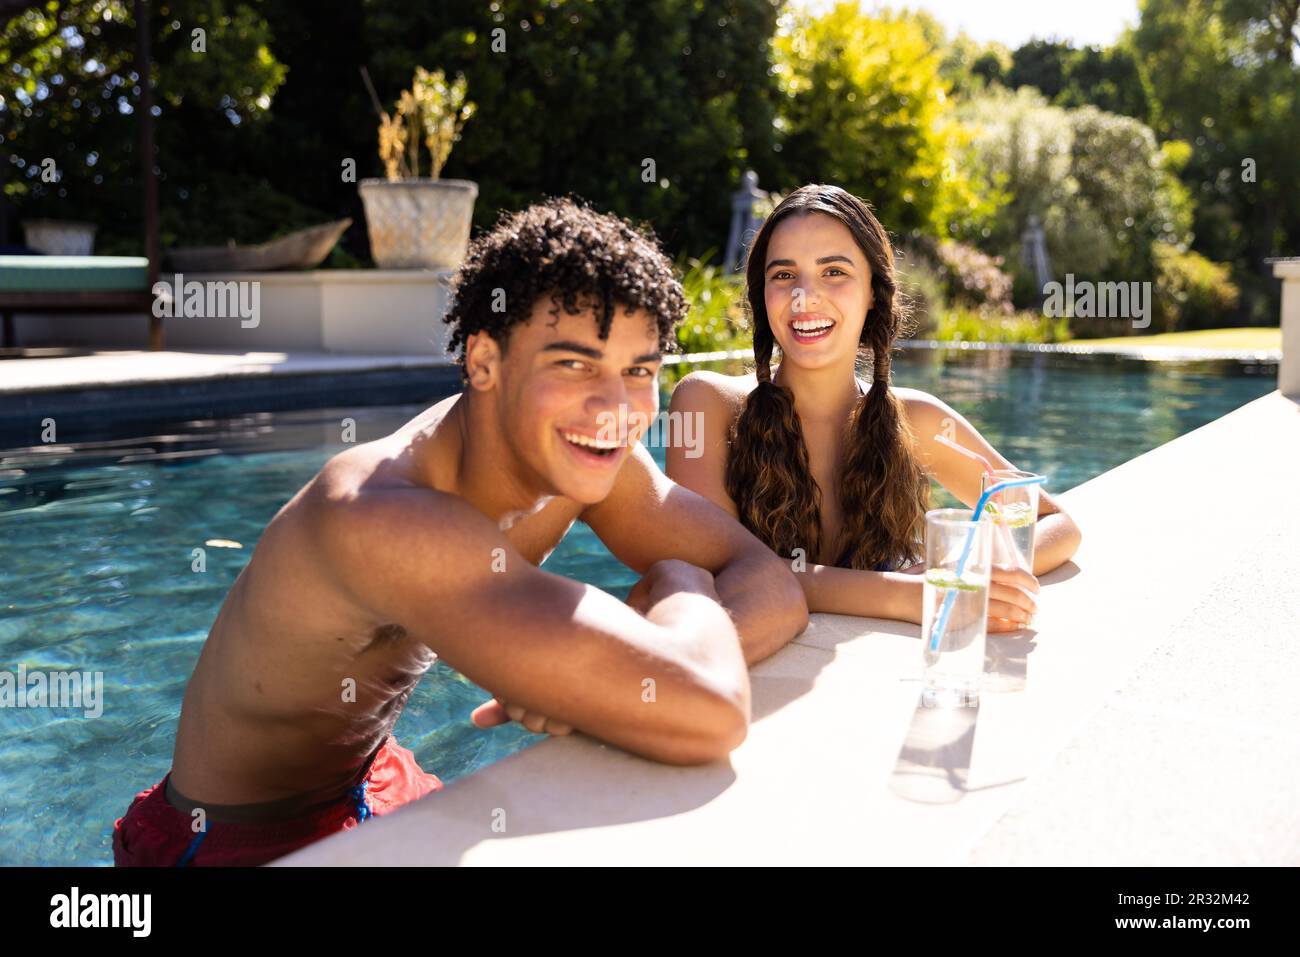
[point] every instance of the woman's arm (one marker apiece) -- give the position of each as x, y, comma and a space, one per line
898, 595
849, 591
1056, 537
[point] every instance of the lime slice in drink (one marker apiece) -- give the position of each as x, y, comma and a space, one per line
947, 578
1014, 515
1018, 515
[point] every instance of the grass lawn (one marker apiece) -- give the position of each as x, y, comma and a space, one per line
1252, 338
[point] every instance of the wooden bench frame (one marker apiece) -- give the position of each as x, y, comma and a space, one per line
78, 301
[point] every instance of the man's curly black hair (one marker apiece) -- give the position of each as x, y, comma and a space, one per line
580, 257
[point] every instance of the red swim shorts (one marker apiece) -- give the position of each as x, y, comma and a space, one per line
154, 833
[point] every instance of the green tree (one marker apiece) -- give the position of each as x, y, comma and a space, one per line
969, 66
583, 94
1224, 78
865, 107
252, 134
992, 65
69, 91
1108, 79
1042, 64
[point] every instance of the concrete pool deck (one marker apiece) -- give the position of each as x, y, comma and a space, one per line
1150, 719
112, 369
103, 392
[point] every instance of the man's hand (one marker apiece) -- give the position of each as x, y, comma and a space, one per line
668, 577
492, 713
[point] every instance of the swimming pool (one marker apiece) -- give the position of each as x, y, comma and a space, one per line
97, 543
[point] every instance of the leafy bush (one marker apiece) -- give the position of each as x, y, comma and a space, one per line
1192, 292
934, 276
1105, 192
1225, 77
716, 320
975, 278
967, 325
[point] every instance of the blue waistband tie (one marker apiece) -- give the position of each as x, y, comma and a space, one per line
192, 849
359, 798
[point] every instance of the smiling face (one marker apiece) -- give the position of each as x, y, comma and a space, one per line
817, 290
562, 392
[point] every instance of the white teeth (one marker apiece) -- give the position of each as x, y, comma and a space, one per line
577, 439
812, 325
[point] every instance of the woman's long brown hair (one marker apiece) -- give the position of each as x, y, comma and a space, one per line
883, 490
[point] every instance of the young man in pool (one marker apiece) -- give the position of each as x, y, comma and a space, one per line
427, 543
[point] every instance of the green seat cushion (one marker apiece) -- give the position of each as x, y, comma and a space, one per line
74, 274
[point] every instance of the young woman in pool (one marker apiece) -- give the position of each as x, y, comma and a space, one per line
809, 457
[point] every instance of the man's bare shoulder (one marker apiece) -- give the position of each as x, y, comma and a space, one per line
367, 519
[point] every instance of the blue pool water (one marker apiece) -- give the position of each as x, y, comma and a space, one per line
96, 542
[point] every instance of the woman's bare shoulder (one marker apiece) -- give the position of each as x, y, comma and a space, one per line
914, 397
918, 405
704, 386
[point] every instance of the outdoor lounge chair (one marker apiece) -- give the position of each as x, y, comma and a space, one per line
76, 284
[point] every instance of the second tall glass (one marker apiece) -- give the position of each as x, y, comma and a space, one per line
1014, 512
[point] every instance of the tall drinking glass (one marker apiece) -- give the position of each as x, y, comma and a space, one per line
955, 607
1014, 512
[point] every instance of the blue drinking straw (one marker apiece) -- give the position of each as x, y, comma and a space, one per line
949, 598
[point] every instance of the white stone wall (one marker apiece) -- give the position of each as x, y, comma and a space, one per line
376, 311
